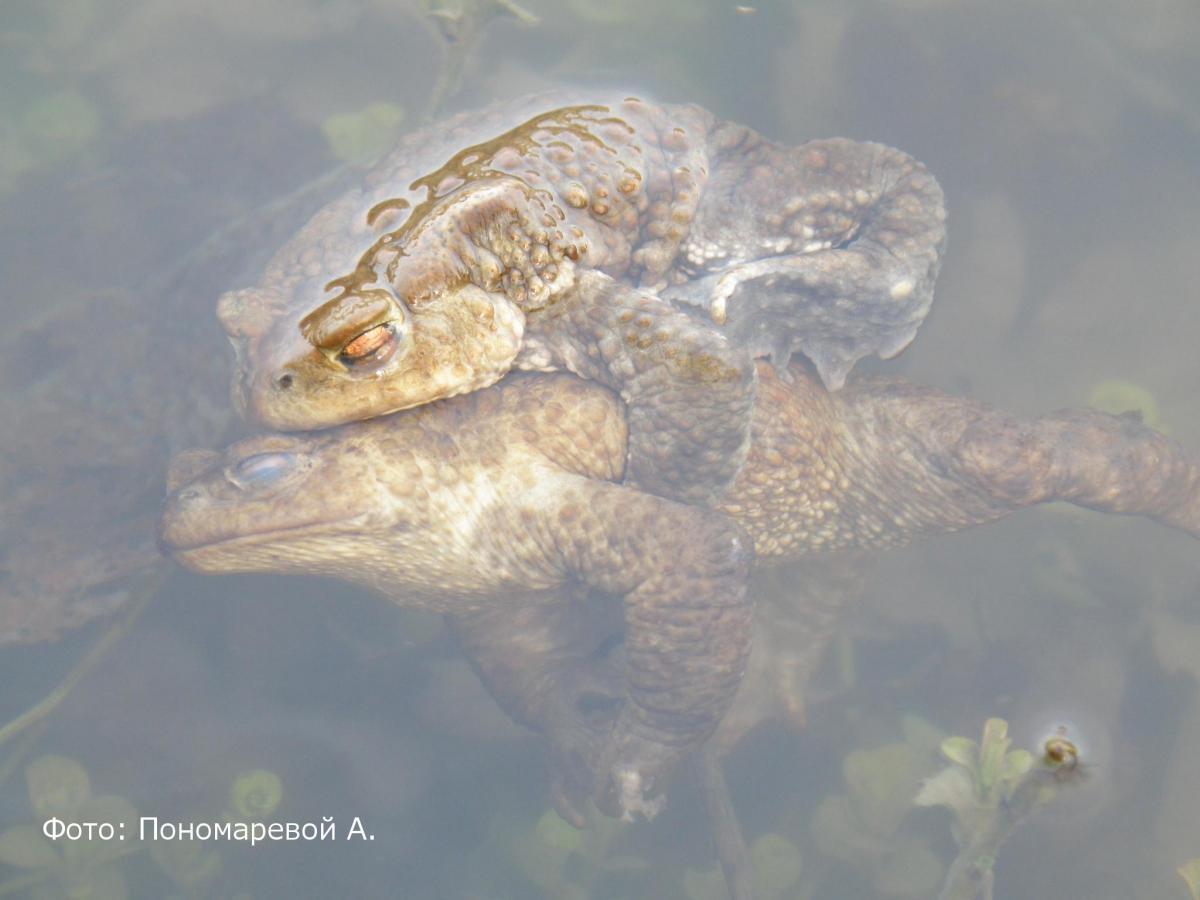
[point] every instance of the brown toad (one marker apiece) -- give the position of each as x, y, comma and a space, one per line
472, 504
475, 248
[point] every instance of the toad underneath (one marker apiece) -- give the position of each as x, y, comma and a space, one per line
550, 235
470, 504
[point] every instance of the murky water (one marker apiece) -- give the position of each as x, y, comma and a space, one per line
141, 142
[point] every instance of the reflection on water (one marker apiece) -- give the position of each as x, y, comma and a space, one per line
141, 138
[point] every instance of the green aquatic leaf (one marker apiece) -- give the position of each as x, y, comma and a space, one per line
775, 862
58, 786
882, 782
255, 794
361, 137
555, 831
1016, 764
1117, 396
992, 751
106, 808
961, 751
952, 788
537, 853
25, 847
1190, 873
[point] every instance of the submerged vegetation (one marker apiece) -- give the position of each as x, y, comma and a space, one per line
1120, 397
361, 137
990, 789
61, 856
861, 824
59, 790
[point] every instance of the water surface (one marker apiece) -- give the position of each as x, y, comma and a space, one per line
141, 143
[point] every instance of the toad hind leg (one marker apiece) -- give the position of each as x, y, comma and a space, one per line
830, 248
926, 462
1111, 464
689, 391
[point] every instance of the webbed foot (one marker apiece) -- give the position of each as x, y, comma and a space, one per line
832, 247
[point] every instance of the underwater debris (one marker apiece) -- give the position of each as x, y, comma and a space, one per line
991, 790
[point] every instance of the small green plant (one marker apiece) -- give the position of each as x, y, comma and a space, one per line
254, 795
567, 862
361, 137
861, 824
79, 861
194, 866
1118, 397
991, 789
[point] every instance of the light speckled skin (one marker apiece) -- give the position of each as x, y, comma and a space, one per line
473, 503
468, 250
456, 505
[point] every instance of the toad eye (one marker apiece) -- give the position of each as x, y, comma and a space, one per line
262, 469
373, 347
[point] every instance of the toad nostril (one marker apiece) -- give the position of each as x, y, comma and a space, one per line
284, 382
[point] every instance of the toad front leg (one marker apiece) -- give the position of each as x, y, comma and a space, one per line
689, 391
830, 248
557, 666
682, 572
